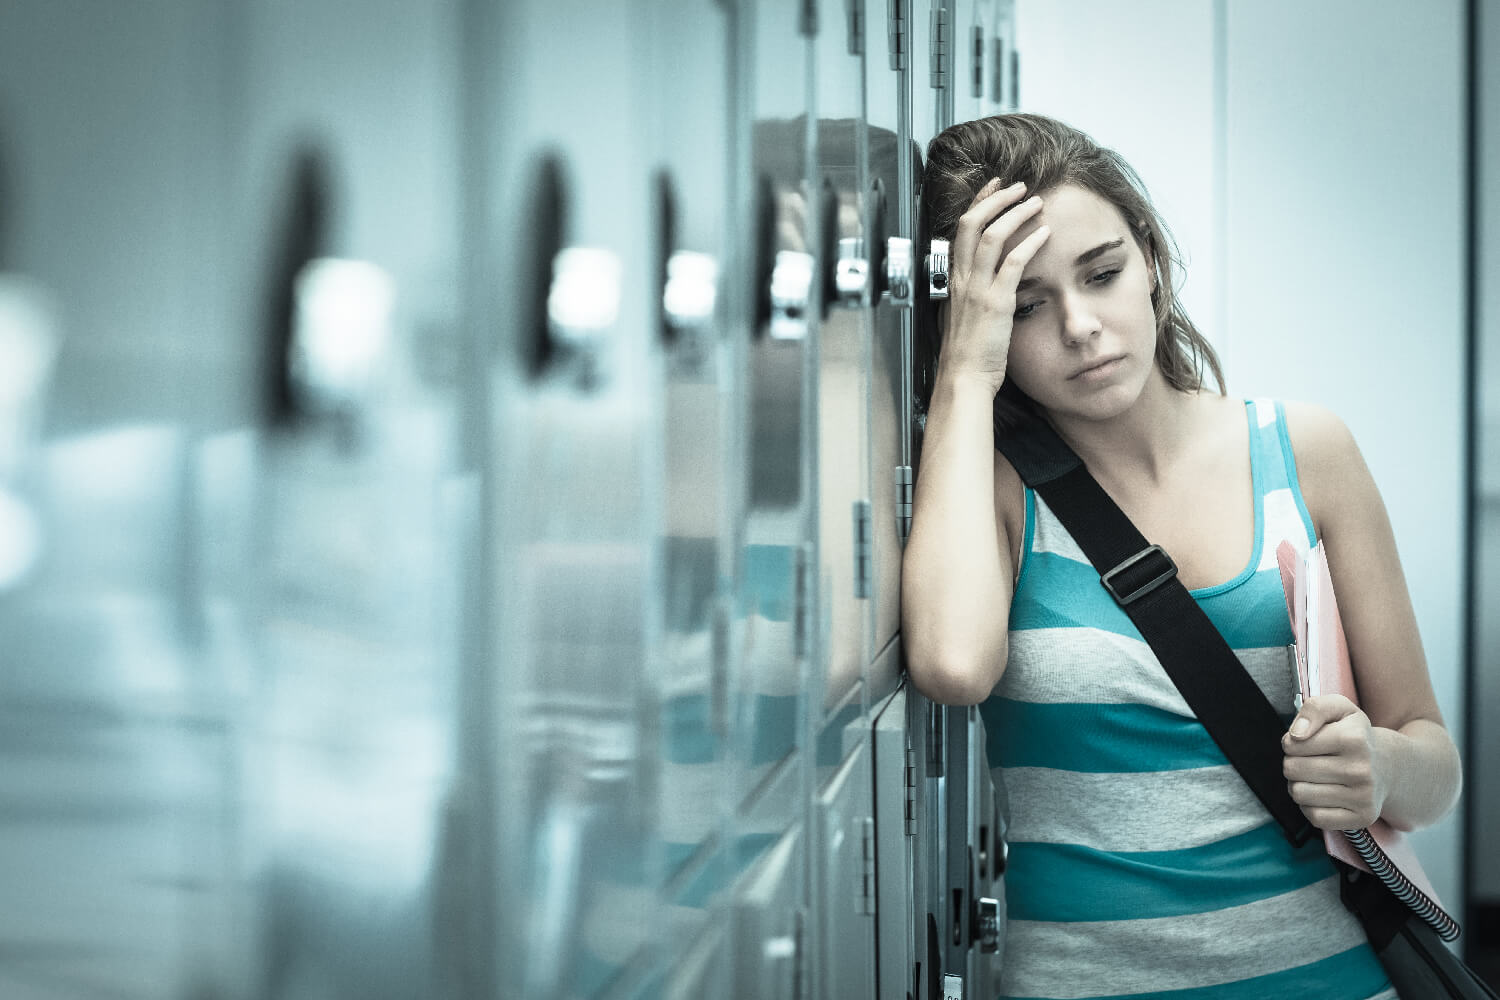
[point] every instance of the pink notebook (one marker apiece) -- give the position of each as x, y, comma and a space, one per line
1323, 667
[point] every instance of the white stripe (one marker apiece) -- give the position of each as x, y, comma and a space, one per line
1070, 960
1080, 665
1052, 537
1149, 811
1089, 665
1265, 412
1282, 520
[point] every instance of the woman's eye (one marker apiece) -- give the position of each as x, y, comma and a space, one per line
1105, 277
1026, 310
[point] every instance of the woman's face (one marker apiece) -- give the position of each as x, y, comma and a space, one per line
1083, 342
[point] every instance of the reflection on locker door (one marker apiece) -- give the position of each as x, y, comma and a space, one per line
571, 513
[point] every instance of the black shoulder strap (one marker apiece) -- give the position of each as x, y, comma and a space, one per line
1143, 580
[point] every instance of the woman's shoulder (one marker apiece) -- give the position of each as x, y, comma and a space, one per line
1316, 433
1329, 465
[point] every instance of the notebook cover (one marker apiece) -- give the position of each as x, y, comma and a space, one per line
1335, 676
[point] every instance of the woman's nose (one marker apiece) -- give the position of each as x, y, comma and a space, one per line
1079, 321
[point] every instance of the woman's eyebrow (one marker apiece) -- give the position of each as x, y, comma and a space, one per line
1081, 260
1102, 248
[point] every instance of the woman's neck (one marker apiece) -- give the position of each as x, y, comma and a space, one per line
1144, 441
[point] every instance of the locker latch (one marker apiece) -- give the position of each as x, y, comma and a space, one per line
791, 294
987, 917
937, 270
851, 273
898, 270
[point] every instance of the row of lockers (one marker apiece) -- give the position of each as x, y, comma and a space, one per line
457, 466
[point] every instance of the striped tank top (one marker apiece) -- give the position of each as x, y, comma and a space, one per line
1140, 862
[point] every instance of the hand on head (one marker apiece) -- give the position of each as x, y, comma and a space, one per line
982, 301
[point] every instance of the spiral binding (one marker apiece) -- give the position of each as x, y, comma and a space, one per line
1400, 886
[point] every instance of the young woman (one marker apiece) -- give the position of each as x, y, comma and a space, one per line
1141, 864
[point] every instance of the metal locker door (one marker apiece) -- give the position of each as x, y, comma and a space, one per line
890, 174
362, 524
118, 830
770, 956
685, 46
899, 954
972, 29
843, 889
564, 285
774, 562
932, 41
841, 356
1004, 60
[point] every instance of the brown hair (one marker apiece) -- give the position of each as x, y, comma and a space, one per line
1045, 154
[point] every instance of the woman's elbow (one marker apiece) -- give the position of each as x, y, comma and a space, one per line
952, 677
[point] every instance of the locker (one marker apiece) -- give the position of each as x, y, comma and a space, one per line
890, 172
844, 890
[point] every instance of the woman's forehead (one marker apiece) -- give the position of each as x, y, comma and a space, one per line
1078, 219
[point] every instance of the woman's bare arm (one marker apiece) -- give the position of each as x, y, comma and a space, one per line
1392, 757
957, 572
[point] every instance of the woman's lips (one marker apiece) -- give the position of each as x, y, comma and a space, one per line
1101, 369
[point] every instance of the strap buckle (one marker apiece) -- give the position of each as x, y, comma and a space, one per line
1139, 575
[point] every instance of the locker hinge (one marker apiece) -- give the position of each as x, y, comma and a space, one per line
864, 902
976, 80
862, 548
953, 987
896, 31
856, 27
802, 604
910, 805
903, 501
997, 70
942, 47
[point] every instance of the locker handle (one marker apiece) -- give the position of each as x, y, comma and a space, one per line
687, 282
846, 273
575, 290
549, 221
784, 278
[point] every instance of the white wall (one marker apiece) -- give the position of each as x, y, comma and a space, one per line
1309, 159
1345, 273
1139, 78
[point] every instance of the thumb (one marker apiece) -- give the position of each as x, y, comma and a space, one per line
1318, 712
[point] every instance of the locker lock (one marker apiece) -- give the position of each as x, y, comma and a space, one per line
691, 290
988, 919
898, 270
584, 300
851, 276
791, 294
937, 270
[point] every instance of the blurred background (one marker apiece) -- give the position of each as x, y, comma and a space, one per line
454, 456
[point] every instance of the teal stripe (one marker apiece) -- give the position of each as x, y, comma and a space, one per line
1064, 593
687, 737
1095, 739
1253, 615
1267, 444
1350, 975
1066, 883
769, 583
1289, 463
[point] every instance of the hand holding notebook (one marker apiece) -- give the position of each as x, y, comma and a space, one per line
1323, 667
